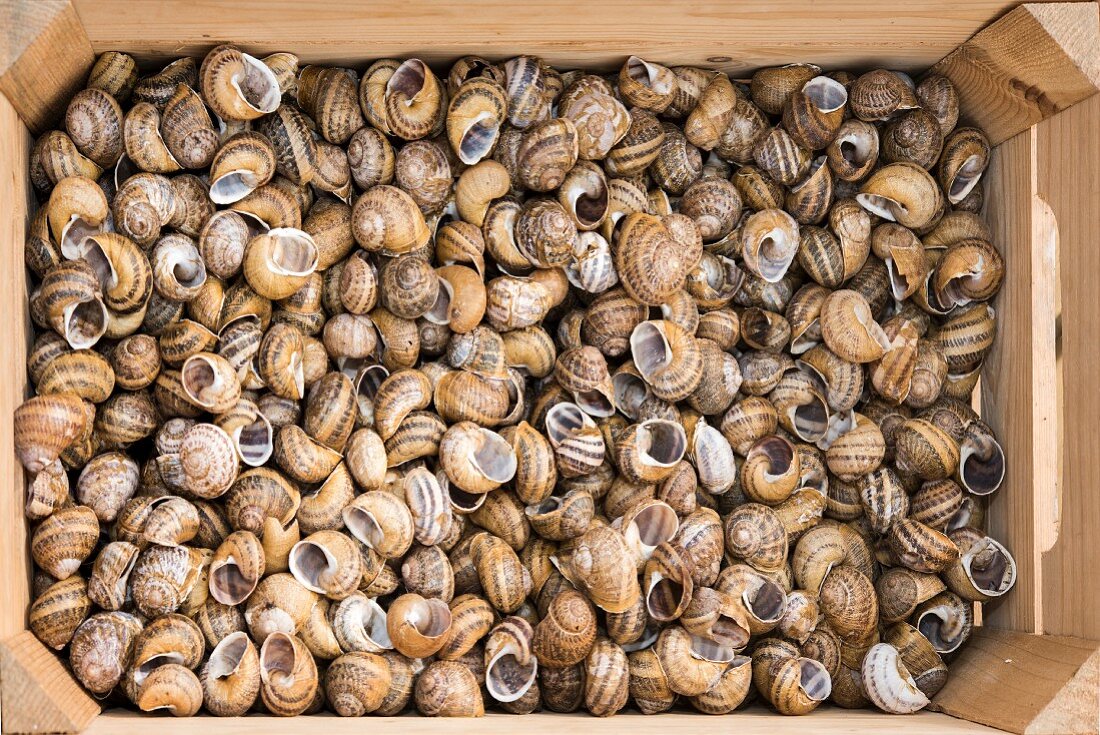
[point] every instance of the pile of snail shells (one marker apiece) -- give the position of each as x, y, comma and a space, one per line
370, 389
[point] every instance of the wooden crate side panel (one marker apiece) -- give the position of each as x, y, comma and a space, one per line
1025, 683
1032, 63
755, 720
44, 58
15, 201
738, 37
1068, 154
1016, 401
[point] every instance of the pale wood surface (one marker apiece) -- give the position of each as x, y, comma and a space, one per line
15, 201
1006, 680
1032, 63
753, 721
737, 35
44, 57
39, 695
1068, 148
1015, 397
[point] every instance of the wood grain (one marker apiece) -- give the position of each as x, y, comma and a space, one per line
1018, 399
1008, 680
1032, 63
737, 37
15, 203
44, 58
1068, 176
755, 720
39, 694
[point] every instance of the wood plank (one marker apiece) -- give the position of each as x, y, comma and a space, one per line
15, 202
753, 721
1013, 681
44, 58
39, 694
1030, 64
1068, 147
737, 37
1018, 399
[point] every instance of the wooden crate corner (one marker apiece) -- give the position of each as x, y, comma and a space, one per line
39, 695
1034, 62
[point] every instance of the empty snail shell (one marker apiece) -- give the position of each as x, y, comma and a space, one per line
647, 85
56, 614
288, 675
414, 100
888, 683
386, 218
238, 86
231, 677
902, 192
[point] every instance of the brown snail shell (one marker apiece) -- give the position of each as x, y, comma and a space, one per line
647, 85
567, 631
386, 218
231, 677
238, 86
546, 153
914, 136
417, 626
328, 95
288, 675
902, 192
64, 540
94, 122
415, 103
187, 129
56, 614
477, 110
448, 689
357, 683
964, 160
771, 87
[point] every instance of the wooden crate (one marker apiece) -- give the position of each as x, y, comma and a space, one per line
1026, 75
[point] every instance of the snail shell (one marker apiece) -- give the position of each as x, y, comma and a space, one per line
879, 94
64, 540
231, 677
914, 136
448, 689
101, 649
964, 160
386, 218
56, 614
288, 131
417, 626
236, 568
243, 163
888, 683
357, 683
238, 86
288, 675
329, 96
115, 73
477, 110
187, 130
94, 122
567, 632
602, 565
646, 85
902, 192
415, 102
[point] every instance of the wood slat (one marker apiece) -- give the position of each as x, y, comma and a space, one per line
1034, 62
738, 37
1068, 179
44, 58
15, 202
1025, 683
39, 694
754, 721
1018, 396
